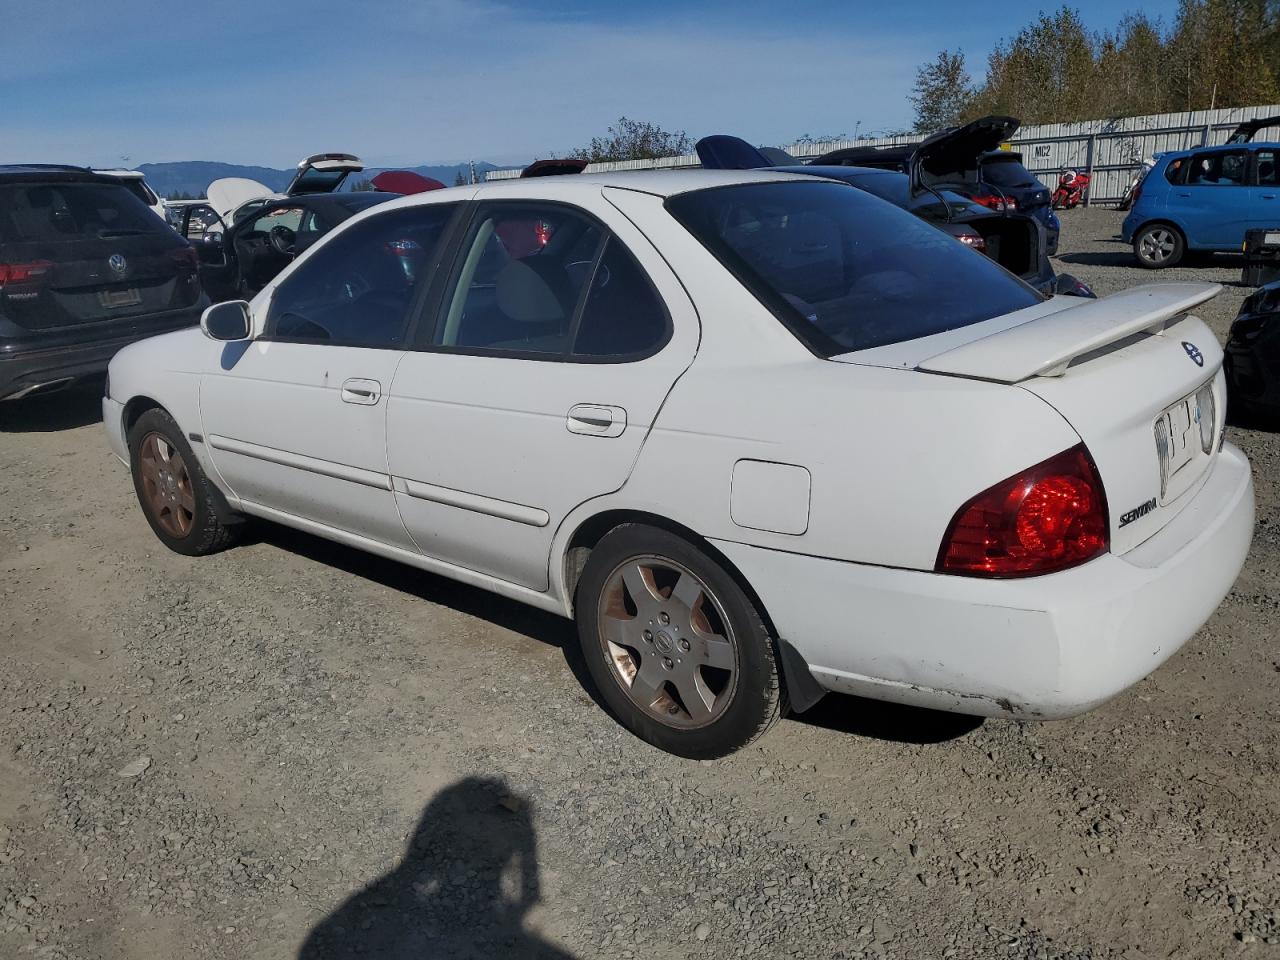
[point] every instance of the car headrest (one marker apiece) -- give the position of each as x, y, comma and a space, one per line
525, 296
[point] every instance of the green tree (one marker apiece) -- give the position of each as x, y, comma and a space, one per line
362, 186
942, 92
634, 140
460, 180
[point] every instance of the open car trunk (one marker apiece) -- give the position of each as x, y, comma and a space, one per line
323, 173
1135, 374
953, 156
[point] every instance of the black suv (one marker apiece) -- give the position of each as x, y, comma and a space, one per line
85, 268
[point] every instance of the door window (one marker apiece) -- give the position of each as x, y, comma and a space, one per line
546, 281
523, 271
623, 316
356, 289
1268, 175
1225, 169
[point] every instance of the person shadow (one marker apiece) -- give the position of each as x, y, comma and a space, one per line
468, 878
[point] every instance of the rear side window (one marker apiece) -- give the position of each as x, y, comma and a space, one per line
844, 270
1268, 175
140, 190
49, 212
356, 290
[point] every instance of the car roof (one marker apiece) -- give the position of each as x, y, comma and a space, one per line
661, 183
48, 171
120, 174
838, 172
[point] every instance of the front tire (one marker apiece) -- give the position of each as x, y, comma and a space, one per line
175, 494
677, 649
1158, 245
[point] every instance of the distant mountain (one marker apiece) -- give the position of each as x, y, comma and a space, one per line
193, 177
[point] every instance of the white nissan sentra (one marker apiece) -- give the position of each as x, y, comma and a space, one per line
761, 436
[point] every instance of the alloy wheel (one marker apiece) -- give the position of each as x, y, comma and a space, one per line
1158, 245
668, 642
166, 485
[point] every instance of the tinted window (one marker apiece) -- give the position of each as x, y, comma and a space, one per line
523, 272
1176, 171
139, 190
1008, 173
894, 187
845, 270
72, 211
356, 289
1267, 173
623, 314
1225, 169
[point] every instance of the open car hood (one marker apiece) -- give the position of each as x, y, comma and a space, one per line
952, 155
323, 173
1246, 130
405, 182
230, 193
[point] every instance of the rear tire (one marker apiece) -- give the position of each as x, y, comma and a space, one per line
677, 649
175, 494
1158, 245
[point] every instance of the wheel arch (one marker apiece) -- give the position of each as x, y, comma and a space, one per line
1163, 221
800, 689
134, 408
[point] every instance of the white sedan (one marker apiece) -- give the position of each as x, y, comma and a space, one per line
761, 436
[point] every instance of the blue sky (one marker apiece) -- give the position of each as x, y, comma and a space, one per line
270, 81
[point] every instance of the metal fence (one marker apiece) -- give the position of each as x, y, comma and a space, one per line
1111, 150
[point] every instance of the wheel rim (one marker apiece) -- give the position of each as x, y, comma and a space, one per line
166, 485
1158, 245
668, 642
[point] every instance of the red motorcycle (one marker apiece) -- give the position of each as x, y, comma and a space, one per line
1071, 189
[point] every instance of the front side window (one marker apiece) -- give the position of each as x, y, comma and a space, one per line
1225, 169
356, 289
547, 281
844, 270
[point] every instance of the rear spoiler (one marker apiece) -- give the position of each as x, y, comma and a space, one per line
1045, 346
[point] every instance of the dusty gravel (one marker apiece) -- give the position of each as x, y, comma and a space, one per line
292, 749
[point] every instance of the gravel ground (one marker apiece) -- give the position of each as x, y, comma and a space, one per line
295, 750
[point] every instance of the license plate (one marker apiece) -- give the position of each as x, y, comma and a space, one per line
1271, 239
119, 298
1179, 440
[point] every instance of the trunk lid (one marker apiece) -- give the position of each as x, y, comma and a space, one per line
323, 173
951, 156
1137, 376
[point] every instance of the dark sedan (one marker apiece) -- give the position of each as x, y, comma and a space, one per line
237, 264
1252, 361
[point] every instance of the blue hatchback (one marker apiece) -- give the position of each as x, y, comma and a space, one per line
1204, 200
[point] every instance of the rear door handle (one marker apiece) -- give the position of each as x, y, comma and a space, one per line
596, 420
364, 392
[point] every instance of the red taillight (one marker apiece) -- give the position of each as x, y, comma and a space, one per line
32, 272
997, 203
542, 232
1049, 517
185, 256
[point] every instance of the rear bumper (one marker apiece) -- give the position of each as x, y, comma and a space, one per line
1038, 648
27, 365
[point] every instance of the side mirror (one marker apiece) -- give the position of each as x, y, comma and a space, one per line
226, 321
213, 239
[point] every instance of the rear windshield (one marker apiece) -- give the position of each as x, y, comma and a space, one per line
1007, 173
843, 269
49, 212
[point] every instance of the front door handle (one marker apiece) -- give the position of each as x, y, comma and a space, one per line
364, 392
596, 420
